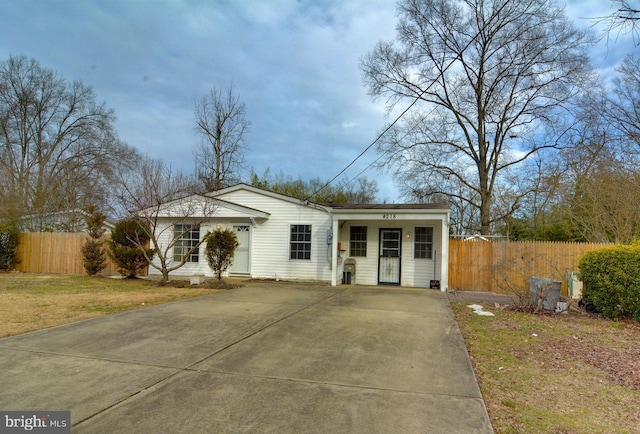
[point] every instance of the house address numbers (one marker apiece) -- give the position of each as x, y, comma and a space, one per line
389, 216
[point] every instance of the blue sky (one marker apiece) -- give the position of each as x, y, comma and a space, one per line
293, 63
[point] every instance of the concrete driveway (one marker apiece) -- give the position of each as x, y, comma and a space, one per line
281, 358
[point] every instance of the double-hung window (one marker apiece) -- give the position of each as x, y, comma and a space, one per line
358, 241
300, 242
423, 243
187, 237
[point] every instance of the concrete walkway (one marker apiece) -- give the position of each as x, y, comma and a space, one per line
265, 358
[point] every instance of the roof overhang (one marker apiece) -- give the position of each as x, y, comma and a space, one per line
228, 209
202, 207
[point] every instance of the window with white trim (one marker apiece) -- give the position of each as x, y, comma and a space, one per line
358, 241
300, 242
188, 237
423, 243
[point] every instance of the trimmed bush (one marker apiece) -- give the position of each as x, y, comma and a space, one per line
9, 239
220, 249
124, 247
611, 279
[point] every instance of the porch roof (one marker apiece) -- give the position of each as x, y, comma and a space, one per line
397, 206
390, 211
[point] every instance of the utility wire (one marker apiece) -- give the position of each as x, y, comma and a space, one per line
388, 151
376, 140
397, 119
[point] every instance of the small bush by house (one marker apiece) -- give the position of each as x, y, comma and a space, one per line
220, 249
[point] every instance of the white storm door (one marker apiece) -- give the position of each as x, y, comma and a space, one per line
389, 262
241, 258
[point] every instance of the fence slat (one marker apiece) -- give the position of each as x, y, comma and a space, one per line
505, 267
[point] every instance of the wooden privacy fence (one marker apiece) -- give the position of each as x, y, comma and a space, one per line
55, 252
496, 266
505, 267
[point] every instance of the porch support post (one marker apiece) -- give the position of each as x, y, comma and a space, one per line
334, 253
444, 259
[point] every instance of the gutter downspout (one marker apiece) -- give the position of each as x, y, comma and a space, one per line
444, 259
334, 252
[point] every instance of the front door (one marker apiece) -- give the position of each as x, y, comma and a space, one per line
389, 262
241, 257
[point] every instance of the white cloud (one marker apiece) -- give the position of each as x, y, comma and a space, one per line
294, 64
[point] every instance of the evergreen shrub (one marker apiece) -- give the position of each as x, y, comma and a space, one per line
94, 259
124, 247
220, 249
9, 240
611, 278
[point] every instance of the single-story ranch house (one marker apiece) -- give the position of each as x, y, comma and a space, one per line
281, 237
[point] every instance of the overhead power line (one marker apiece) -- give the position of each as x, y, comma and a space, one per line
418, 97
375, 141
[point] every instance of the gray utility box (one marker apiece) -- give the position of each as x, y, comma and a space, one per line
545, 292
349, 275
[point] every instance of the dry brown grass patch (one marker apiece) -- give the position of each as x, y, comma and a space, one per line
32, 301
572, 373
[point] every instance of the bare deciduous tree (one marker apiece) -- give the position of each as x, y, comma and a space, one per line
221, 123
624, 106
592, 185
624, 19
171, 211
484, 76
58, 146
601, 188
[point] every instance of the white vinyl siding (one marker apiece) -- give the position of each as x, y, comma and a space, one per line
270, 238
416, 273
271, 217
165, 234
419, 272
366, 266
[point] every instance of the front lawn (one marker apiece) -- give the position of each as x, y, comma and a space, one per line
35, 301
556, 373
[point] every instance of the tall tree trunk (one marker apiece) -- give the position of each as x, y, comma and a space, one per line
485, 214
218, 147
